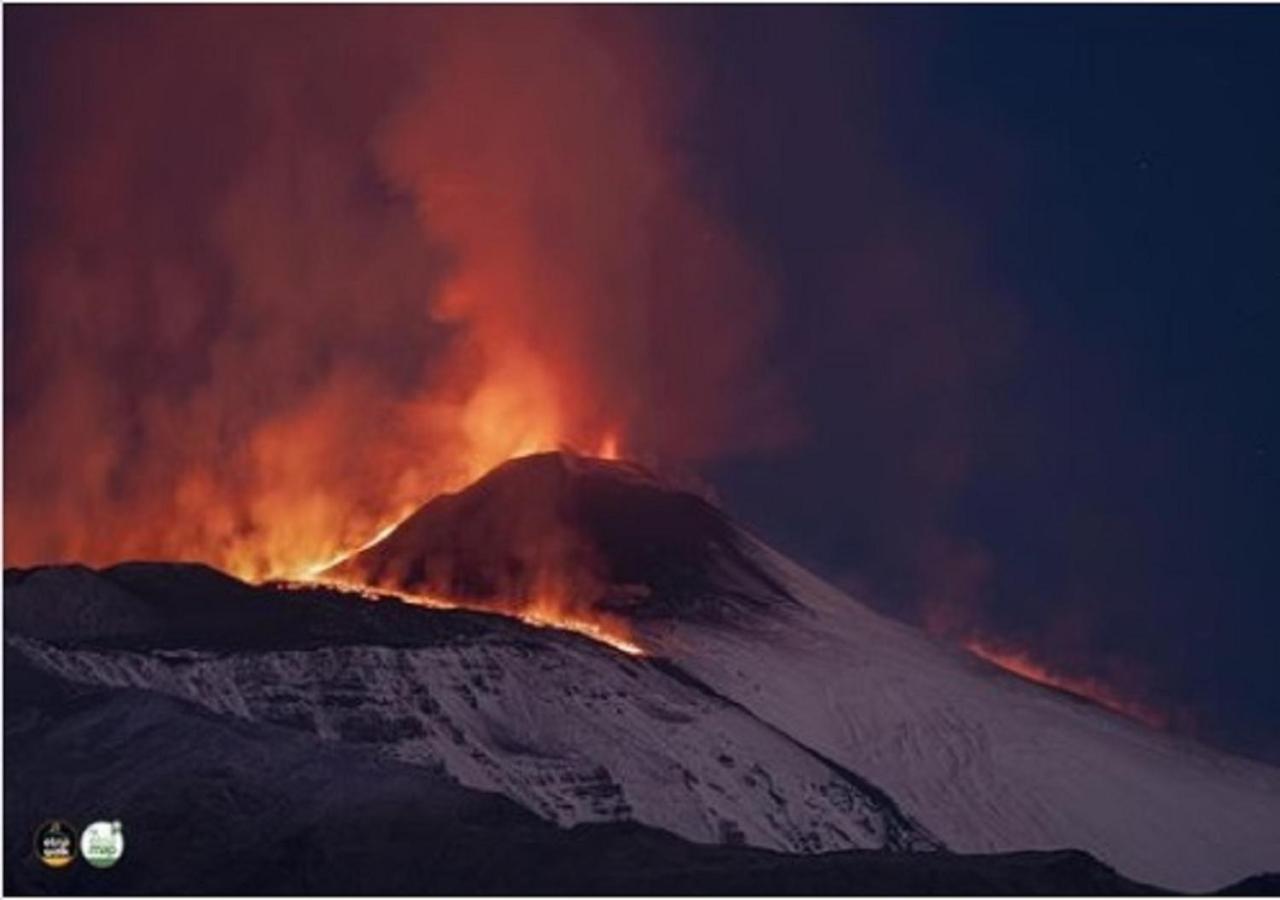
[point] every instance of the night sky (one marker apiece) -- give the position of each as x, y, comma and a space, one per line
1024, 262
1059, 423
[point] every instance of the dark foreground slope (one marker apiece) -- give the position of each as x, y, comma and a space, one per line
213, 805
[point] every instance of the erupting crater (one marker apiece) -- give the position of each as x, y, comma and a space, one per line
587, 544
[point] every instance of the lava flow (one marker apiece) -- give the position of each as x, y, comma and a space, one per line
538, 612
1020, 663
560, 589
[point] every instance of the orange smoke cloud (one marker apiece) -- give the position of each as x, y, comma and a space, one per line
295, 276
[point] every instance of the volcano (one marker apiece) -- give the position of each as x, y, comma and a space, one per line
769, 723
599, 537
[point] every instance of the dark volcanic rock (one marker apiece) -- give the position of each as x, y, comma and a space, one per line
631, 543
1264, 885
146, 605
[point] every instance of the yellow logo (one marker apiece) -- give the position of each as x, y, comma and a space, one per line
56, 844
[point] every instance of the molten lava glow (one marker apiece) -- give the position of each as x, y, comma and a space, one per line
1020, 663
476, 241
540, 612
609, 447
313, 570
302, 553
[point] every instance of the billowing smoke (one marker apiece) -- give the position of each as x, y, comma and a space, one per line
276, 279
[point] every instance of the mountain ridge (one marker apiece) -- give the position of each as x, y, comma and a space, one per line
569, 727
303, 817
770, 709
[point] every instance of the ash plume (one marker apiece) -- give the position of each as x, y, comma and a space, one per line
276, 279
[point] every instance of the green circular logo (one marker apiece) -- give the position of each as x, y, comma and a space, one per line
102, 844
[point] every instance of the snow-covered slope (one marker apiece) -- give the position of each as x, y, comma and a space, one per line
987, 761
982, 758
299, 816
571, 729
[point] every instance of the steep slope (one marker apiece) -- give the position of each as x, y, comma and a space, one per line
296, 815
601, 534
567, 727
984, 760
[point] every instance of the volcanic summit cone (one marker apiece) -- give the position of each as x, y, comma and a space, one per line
983, 759
588, 534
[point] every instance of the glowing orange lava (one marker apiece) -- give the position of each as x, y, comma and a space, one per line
1020, 663
609, 447
319, 359
539, 612
304, 532
548, 604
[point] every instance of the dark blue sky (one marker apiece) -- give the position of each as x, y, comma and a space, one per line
1032, 263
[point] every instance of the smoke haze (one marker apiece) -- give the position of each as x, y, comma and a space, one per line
290, 276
